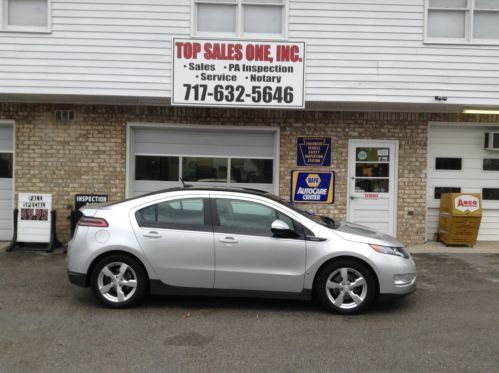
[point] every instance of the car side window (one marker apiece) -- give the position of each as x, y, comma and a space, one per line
186, 214
245, 217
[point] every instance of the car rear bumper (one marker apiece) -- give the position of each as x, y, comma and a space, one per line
79, 279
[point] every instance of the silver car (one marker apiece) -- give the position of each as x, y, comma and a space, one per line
232, 242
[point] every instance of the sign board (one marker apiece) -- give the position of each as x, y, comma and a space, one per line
312, 187
86, 199
34, 219
467, 203
314, 151
237, 73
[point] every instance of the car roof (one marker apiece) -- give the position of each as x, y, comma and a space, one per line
252, 191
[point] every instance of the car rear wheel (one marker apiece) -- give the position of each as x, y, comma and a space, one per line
118, 281
346, 287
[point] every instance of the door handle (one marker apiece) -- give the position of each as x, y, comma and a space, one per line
228, 240
352, 197
153, 235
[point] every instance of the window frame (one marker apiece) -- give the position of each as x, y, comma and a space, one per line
4, 26
468, 26
239, 34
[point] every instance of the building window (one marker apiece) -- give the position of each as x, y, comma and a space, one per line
440, 190
462, 21
25, 15
264, 18
491, 164
448, 163
490, 194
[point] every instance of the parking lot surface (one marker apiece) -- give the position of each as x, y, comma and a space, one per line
450, 324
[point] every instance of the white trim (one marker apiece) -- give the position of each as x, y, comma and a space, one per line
462, 124
378, 142
12, 123
129, 146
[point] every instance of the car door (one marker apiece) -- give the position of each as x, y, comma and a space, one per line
177, 238
248, 255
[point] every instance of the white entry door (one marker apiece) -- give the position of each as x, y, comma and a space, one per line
372, 191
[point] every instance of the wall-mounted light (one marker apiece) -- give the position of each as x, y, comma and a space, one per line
481, 111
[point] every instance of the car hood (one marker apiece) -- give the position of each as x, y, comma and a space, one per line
360, 233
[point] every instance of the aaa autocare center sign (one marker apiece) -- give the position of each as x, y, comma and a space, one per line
237, 73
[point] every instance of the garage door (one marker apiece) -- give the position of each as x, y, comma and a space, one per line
6, 181
458, 162
202, 156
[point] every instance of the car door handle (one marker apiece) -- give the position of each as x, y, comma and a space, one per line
228, 240
153, 235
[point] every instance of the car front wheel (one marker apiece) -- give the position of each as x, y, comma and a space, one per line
118, 281
346, 287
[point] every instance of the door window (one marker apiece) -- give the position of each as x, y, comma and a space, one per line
372, 170
6, 165
245, 217
185, 214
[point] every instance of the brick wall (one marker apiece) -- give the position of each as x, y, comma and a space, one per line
88, 154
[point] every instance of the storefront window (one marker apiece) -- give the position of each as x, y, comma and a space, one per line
156, 168
204, 169
252, 171
6, 165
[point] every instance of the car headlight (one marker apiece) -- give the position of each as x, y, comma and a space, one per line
391, 250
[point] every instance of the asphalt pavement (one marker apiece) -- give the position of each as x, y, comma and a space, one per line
450, 324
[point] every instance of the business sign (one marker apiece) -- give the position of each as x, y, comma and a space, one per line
465, 203
238, 73
312, 187
34, 219
86, 199
314, 151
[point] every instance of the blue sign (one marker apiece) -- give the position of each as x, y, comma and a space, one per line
312, 187
314, 151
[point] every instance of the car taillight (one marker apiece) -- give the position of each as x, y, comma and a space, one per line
86, 221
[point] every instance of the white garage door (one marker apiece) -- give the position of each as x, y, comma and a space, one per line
458, 162
159, 156
6, 184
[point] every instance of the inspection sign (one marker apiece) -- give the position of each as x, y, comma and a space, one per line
314, 151
312, 187
238, 73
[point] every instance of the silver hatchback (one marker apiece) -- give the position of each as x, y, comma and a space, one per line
232, 242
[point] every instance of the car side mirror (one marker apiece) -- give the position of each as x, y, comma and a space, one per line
281, 229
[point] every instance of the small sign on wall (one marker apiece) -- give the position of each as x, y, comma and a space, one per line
312, 187
314, 151
34, 218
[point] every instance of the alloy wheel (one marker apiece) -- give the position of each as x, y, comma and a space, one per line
346, 288
117, 282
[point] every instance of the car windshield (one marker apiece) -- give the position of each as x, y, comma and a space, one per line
319, 219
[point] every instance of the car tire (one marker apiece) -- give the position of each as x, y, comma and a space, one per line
118, 281
346, 287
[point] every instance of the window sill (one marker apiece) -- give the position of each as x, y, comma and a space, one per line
26, 30
461, 42
245, 37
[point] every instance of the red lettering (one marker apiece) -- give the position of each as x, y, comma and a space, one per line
188, 50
